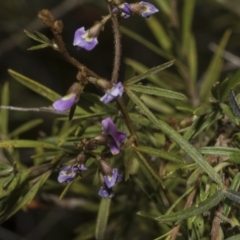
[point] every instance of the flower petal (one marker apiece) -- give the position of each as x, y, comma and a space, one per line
105, 192
65, 102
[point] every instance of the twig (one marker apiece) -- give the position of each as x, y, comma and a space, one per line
117, 45
41, 109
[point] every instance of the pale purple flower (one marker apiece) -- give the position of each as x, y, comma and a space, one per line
111, 180
113, 93
68, 173
105, 192
149, 9
116, 137
65, 102
83, 40
125, 8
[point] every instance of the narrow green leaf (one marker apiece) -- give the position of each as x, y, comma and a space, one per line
192, 58
156, 91
159, 153
35, 86
4, 112
26, 144
102, 218
25, 127
188, 10
145, 43
175, 136
40, 46
234, 104
149, 167
39, 88
227, 110
165, 6
234, 186
214, 68
27, 198
194, 210
233, 195
43, 37
149, 72
159, 32
34, 37
229, 84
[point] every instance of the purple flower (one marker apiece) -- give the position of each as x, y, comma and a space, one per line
65, 102
125, 8
105, 192
116, 137
82, 39
110, 181
149, 9
114, 93
68, 173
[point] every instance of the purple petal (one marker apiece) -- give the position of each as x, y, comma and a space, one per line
113, 93
150, 9
82, 167
117, 137
105, 193
81, 40
65, 102
110, 181
66, 175
126, 8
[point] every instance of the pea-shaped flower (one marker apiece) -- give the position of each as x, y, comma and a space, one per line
114, 93
84, 39
116, 137
68, 173
145, 9
65, 102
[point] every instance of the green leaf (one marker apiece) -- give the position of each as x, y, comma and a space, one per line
214, 69
156, 91
102, 218
229, 84
188, 10
25, 127
39, 37
27, 197
232, 153
228, 111
165, 6
145, 42
149, 73
4, 112
233, 195
194, 210
175, 136
149, 167
39, 88
234, 186
40, 46
159, 153
159, 33
26, 144
234, 104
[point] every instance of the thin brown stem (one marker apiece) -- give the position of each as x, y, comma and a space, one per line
127, 119
117, 46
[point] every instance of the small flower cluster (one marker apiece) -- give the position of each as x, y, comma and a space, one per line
110, 137
87, 39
